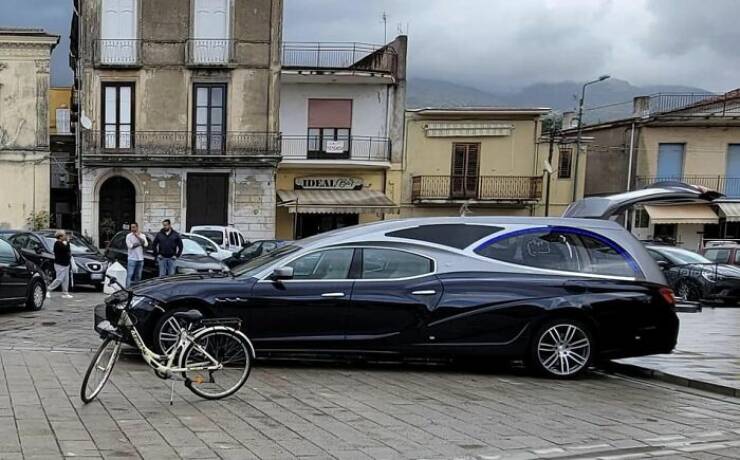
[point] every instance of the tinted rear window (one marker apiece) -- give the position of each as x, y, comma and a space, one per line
217, 236
455, 235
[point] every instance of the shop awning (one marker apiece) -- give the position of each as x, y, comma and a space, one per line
731, 211
336, 202
681, 214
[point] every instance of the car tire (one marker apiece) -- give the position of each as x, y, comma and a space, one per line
561, 348
688, 290
99, 287
36, 296
166, 325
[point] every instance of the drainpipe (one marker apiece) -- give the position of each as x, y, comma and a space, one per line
628, 213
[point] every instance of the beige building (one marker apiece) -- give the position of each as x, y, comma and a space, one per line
24, 136
178, 103
481, 162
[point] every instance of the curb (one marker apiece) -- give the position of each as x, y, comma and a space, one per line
640, 371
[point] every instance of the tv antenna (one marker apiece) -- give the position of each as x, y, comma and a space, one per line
384, 18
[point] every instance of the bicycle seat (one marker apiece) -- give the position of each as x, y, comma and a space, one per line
191, 316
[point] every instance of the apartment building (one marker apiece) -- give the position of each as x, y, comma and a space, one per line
693, 138
64, 199
178, 111
341, 115
24, 135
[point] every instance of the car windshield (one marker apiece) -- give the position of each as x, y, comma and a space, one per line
217, 236
683, 256
257, 264
77, 245
202, 242
190, 247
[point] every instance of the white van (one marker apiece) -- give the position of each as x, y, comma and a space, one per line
227, 238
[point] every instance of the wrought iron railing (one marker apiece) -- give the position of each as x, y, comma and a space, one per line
338, 56
730, 186
360, 148
209, 52
117, 52
484, 188
698, 104
180, 143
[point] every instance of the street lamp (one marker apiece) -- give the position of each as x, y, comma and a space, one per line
579, 129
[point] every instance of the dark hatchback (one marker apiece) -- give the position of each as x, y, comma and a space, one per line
38, 247
194, 259
252, 251
21, 283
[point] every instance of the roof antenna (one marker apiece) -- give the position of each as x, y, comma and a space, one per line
384, 18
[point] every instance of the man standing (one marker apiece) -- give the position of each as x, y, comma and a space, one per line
135, 242
167, 248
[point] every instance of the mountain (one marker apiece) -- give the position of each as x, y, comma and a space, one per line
560, 96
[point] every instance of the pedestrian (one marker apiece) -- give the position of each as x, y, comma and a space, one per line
62, 258
167, 247
135, 242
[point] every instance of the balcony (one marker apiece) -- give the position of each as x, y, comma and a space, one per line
178, 147
479, 188
202, 52
695, 104
117, 52
338, 56
356, 148
730, 186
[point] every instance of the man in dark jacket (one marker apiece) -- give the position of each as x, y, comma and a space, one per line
167, 247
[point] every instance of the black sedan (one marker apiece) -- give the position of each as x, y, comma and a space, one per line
252, 251
194, 259
21, 284
38, 247
694, 277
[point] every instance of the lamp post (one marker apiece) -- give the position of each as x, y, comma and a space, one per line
579, 130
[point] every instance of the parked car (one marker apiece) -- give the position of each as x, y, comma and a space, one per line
194, 258
253, 250
722, 253
228, 238
559, 293
7, 233
209, 246
694, 277
38, 247
21, 284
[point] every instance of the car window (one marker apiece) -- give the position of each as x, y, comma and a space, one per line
190, 247
605, 259
19, 241
240, 238
33, 243
737, 257
203, 242
680, 256
232, 238
323, 265
717, 255
118, 241
390, 264
657, 256
217, 236
268, 246
252, 250
258, 264
7, 253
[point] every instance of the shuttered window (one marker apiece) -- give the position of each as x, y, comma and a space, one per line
329, 128
565, 160
465, 168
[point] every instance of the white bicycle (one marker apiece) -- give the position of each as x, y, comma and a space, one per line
211, 357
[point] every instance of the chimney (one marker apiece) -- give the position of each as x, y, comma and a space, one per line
569, 120
641, 107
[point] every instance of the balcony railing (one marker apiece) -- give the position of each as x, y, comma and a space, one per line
209, 52
482, 188
180, 143
359, 148
338, 56
730, 186
697, 104
117, 52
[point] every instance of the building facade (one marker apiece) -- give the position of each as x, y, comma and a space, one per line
24, 135
178, 113
341, 115
64, 202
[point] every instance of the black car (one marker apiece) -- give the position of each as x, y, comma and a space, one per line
21, 284
694, 277
194, 259
253, 250
38, 247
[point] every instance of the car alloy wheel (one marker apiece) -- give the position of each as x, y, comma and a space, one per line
686, 291
563, 349
38, 296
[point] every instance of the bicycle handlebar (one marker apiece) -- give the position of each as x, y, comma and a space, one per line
130, 292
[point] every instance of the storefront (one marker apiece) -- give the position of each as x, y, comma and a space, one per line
682, 224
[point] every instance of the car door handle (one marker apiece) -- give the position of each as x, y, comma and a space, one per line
333, 294
424, 292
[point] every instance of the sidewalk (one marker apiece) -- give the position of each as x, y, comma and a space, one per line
707, 355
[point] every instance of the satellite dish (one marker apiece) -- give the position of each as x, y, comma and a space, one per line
548, 167
85, 122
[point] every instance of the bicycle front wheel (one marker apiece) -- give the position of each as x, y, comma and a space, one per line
230, 349
100, 369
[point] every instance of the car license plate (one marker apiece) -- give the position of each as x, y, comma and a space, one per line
96, 276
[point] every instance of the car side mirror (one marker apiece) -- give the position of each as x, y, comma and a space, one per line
38, 250
663, 264
282, 273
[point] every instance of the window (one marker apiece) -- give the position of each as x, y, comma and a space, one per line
465, 169
210, 117
329, 128
33, 244
19, 241
455, 235
118, 115
232, 238
210, 44
7, 253
737, 257
391, 264
718, 255
670, 162
323, 265
118, 32
658, 256
642, 219
565, 160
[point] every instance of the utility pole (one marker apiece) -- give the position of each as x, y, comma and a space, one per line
580, 130
549, 169
384, 18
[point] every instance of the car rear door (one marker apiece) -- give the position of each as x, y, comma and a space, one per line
14, 275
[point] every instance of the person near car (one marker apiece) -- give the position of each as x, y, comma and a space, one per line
62, 265
135, 242
167, 247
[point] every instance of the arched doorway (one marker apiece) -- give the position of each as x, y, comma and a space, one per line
117, 208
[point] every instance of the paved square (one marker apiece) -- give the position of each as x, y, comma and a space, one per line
309, 410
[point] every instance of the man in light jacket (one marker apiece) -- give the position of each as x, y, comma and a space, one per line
135, 242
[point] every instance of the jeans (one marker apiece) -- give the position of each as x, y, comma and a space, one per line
166, 266
134, 268
62, 278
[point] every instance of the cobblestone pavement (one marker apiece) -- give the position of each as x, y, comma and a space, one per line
318, 411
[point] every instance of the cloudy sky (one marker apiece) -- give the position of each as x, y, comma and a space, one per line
498, 44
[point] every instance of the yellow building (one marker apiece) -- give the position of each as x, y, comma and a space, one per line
482, 161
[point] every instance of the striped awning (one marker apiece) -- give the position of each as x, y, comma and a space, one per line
731, 211
336, 202
681, 214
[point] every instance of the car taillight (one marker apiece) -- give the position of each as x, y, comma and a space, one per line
668, 296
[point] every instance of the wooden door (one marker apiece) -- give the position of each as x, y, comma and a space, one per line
465, 169
207, 199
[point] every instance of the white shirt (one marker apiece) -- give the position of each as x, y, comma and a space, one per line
135, 248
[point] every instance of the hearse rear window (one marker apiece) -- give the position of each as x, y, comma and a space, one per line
454, 235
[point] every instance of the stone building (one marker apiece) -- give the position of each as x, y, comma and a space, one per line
24, 136
178, 107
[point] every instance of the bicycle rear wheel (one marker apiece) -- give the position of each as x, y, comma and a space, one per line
231, 349
100, 369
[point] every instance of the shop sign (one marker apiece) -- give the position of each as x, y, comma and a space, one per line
334, 147
328, 183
